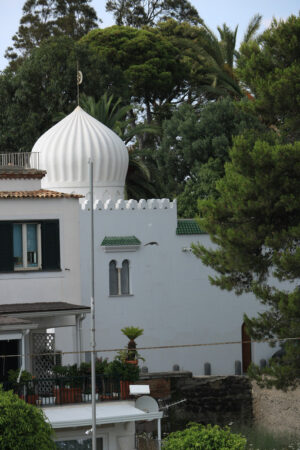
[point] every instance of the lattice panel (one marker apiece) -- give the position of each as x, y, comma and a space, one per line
43, 345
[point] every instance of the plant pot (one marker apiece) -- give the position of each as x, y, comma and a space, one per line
133, 362
124, 389
47, 400
67, 395
88, 397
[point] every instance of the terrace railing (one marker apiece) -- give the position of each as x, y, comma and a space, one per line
26, 160
63, 390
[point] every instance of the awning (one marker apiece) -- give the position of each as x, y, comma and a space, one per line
70, 416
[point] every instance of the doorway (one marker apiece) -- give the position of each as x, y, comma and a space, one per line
246, 349
8, 347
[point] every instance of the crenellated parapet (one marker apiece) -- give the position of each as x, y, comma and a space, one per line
130, 205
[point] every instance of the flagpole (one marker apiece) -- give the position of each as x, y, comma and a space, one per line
93, 341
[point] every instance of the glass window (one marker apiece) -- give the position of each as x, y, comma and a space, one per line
113, 278
32, 245
79, 444
26, 244
17, 245
125, 277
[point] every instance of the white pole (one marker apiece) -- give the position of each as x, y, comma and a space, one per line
159, 433
93, 342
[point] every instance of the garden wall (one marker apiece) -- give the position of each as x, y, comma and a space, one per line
211, 399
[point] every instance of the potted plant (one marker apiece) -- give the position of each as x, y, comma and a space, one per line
132, 333
23, 385
119, 371
68, 389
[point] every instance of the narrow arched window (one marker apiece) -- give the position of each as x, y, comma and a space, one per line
113, 278
125, 277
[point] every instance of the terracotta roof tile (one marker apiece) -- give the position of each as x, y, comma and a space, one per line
12, 172
41, 193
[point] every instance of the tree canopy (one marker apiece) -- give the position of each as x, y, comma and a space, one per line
23, 426
255, 224
270, 67
42, 19
137, 13
195, 146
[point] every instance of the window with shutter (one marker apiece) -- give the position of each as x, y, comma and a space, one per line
29, 246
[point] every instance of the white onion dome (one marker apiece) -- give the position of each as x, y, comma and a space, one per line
66, 148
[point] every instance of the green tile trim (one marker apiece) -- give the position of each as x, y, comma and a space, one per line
120, 240
188, 226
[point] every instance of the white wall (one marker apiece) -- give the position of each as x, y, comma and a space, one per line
44, 286
64, 285
171, 299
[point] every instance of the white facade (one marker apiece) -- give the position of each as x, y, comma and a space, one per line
170, 296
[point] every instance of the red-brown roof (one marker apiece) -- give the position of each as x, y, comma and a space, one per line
41, 193
12, 172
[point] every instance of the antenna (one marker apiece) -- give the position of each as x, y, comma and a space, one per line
79, 81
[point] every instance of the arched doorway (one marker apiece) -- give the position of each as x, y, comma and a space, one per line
246, 349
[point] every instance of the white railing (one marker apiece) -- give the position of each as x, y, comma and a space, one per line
27, 160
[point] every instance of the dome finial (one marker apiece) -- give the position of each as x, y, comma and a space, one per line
79, 81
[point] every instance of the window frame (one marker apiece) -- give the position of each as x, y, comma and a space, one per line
25, 266
48, 246
120, 284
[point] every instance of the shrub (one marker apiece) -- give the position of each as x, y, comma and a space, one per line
203, 438
22, 426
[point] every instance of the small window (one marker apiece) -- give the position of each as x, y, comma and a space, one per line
29, 246
119, 278
26, 246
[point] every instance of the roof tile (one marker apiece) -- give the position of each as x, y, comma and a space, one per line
188, 226
41, 193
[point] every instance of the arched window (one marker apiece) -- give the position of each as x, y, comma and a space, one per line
119, 278
113, 278
125, 277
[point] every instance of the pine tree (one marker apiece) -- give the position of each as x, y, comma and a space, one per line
43, 19
255, 224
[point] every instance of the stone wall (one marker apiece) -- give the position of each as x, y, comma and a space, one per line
213, 399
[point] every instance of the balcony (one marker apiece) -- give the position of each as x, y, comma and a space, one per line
69, 390
25, 160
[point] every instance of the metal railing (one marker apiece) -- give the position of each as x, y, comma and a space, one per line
26, 160
63, 390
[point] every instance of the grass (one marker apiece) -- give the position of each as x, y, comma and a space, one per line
259, 438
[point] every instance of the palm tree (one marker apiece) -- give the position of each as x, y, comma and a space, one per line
221, 55
112, 114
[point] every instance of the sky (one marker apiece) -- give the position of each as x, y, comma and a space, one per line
214, 13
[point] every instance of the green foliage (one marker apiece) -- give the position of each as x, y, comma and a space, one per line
200, 437
270, 67
132, 332
23, 426
196, 137
118, 369
42, 20
137, 13
255, 223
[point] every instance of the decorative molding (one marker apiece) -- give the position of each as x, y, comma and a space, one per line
130, 205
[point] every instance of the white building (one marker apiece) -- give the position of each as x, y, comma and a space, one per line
145, 273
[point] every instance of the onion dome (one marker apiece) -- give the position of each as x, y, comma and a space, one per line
66, 148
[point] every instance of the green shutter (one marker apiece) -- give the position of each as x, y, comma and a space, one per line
6, 247
50, 245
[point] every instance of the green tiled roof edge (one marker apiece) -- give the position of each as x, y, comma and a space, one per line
188, 226
120, 240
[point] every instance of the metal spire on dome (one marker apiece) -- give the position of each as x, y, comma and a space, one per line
79, 81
